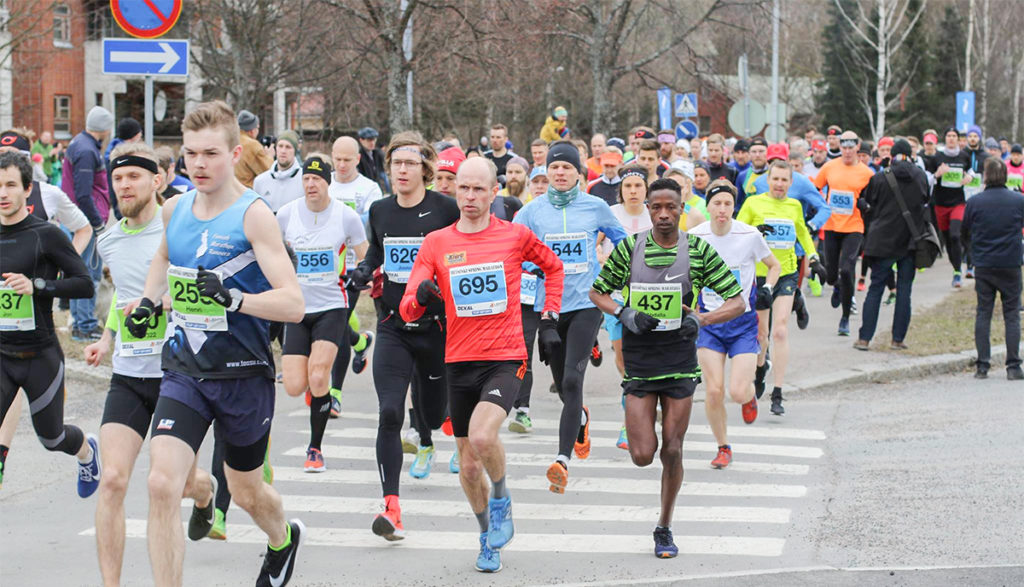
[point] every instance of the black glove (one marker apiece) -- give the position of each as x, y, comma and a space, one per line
548, 341
764, 298
818, 269
210, 286
359, 277
427, 292
637, 322
690, 327
537, 271
138, 321
766, 229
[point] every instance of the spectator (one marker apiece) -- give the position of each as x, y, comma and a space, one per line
50, 152
128, 131
165, 163
555, 126
890, 242
84, 180
371, 159
993, 221
254, 159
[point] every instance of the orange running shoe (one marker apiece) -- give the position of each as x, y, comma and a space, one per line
558, 476
388, 524
750, 411
724, 457
446, 426
582, 449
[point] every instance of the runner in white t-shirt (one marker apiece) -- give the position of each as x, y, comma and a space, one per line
741, 246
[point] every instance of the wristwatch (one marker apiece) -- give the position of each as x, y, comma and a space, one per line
618, 310
549, 315
39, 284
236, 299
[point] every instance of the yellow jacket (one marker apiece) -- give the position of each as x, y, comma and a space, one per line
254, 160
552, 128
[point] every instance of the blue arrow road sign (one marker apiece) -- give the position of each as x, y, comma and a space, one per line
686, 105
964, 110
145, 57
686, 129
665, 108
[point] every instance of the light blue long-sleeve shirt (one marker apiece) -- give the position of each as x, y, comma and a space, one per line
803, 191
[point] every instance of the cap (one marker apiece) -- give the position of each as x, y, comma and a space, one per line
564, 151
368, 132
1016, 148
684, 165
818, 145
974, 128
930, 137
885, 141
610, 158
539, 171
560, 111
741, 145
128, 128
450, 159
758, 141
865, 148
778, 151
291, 136
684, 144
247, 120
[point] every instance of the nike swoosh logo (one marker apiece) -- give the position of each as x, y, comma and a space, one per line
432, 378
279, 579
422, 214
671, 277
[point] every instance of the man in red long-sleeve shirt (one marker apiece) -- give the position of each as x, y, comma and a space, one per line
475, 266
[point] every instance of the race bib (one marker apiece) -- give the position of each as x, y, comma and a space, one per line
150, 344
479, 290
782, 235
664, 301
975, 182
1014, 182
952, 178
316, 265
528, 288
572, 249
16, 310
713, 301
399, 256
841, 202
188, 308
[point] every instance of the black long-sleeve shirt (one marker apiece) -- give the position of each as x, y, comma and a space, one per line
36, 248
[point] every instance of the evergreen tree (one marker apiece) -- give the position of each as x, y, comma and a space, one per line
843, 77
921, 106
949, 48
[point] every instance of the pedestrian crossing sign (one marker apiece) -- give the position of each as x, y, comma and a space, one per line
686, 105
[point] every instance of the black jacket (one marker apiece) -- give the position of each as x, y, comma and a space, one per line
887, 232
993, 221
371, 164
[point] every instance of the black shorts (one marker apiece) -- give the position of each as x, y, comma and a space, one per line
131, 401
328, 325
472, 382
681, 388
785, 286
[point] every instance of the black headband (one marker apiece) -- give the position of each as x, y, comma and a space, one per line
641, 173
318, 167
719, 189
134, 161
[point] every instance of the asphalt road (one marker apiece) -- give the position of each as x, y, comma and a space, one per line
916, 483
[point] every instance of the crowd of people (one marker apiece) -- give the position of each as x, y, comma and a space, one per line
688, 252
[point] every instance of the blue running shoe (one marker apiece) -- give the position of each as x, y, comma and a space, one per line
844, 327
488, 561
89, 473
421, 465
500, 527
453, 464
664, 546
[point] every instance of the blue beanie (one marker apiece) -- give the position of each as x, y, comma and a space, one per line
975, 129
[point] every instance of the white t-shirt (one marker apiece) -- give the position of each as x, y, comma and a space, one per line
631, 224
59, 207
358, 193
319, 240
277, 188
741, 249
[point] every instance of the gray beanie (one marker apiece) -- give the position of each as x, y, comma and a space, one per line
991, 143
247, 120
99, 119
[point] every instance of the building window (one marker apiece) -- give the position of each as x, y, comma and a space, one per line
62, 116
61, 25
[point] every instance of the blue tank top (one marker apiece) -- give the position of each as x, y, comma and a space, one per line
243, 350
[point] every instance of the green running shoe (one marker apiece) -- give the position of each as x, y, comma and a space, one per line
521, 423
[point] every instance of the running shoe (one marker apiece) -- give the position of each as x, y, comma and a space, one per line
853, 306
89, 473
219, 530
596, 357
552, 388
803, 317
844, 327
664, 545
489, 560
957, 281
724, 457
558, 476
759, 376
280, 378
837, 298
969, 274
446, 427
388, 524
315, 461
521, 423
749, 411
582, 447
410, 441
278, 565
891, 298
623, 441
898, 345
862, 345
268, 471
861, 285
420, 468
359, 357
815, 287
501, 529
777, 409
201, 521
87, 336
453, 463
335, 403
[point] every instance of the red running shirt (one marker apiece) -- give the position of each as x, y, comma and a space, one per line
479, 275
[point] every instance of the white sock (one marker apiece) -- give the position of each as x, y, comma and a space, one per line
563, 459
524, 409
88, 457
583, 418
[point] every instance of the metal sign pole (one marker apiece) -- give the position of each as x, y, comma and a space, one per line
149, 110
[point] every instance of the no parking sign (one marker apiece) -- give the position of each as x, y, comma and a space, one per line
146, 19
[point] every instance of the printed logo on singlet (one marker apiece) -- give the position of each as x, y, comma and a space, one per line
455, 258
203, 243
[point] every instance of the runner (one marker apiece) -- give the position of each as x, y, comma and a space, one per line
606, 187
568, 221
448, 162
782, 219
845, 177
819, 156
405, 349
742, 248
758, 167
717, 168
32, 252
659, 335
538, 183
282, 183
474, 267
127, 248
952, 170
319, 230
224, 261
